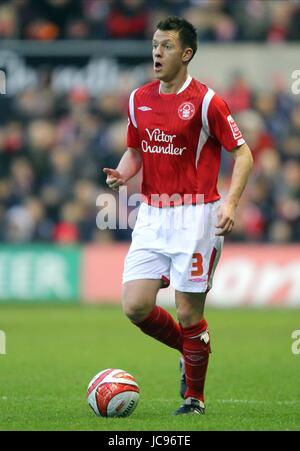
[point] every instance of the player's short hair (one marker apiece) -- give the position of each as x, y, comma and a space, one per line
186, 31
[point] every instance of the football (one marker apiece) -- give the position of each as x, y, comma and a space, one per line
113, 393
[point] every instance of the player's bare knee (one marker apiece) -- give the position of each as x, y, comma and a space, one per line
184, 317
136, 311
187, 316
190, 308
134, 307
138, 299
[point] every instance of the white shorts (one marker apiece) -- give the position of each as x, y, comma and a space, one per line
175, 243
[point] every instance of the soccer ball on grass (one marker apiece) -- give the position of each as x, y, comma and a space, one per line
113, 393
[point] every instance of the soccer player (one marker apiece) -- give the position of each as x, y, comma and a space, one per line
176, 129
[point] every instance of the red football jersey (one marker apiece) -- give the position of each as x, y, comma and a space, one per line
180, 137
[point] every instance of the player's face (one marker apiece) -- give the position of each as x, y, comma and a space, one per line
168, 55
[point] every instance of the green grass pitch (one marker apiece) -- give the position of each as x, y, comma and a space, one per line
53, 351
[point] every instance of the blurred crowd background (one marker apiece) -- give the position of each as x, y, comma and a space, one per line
53, 146
216, 20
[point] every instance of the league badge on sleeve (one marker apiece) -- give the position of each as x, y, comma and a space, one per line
234, 128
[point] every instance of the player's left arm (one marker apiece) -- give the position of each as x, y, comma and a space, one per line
241, 170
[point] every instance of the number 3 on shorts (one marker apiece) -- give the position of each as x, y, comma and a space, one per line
197, 265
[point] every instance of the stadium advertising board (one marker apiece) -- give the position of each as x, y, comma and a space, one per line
247, 275
258, 275
39, 273
100, 70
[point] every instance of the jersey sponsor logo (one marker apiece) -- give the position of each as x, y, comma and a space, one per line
234, 128
186, 111
158, 135
144, 108
166, 143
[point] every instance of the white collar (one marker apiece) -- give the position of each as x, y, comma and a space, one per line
183, 87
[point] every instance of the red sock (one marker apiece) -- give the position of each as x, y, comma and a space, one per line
161, 325
196, 351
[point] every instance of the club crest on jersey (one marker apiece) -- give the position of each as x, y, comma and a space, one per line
234, 128
186, 111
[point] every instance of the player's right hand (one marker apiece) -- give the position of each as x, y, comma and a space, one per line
114, 179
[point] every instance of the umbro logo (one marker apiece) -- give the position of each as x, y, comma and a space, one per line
144, 108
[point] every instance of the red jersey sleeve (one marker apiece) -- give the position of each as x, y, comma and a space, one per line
222, 126
133, 139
